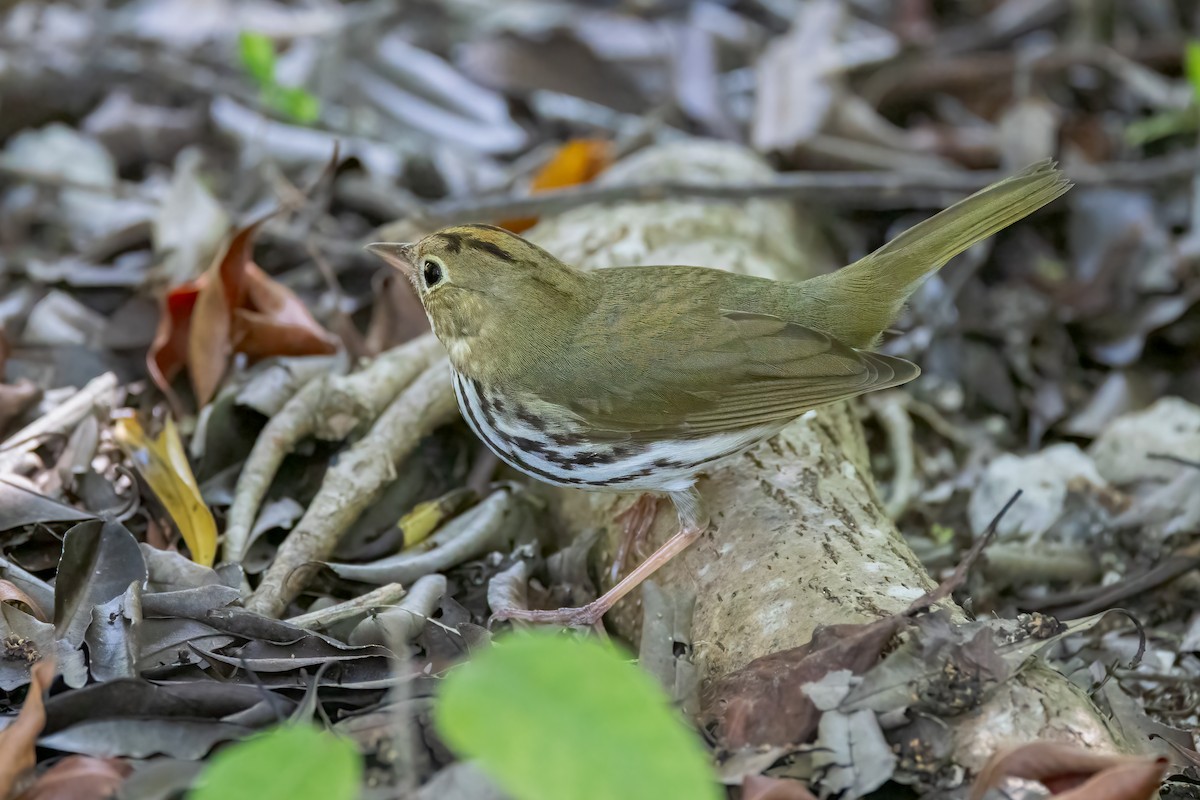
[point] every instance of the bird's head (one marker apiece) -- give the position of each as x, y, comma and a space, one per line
481, 285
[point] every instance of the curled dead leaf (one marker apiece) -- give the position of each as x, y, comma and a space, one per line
11, 593
577, 161
18, 740
1072, 773
234, 307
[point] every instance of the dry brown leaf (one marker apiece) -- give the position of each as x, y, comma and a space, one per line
764, 702
210, 340
11, 593
234, 307
79, 778
1072, 773
272, 321
578, 161
18, 740
762, 787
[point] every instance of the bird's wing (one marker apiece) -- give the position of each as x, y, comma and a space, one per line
716, 370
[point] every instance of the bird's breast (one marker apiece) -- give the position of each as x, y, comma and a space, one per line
555, 448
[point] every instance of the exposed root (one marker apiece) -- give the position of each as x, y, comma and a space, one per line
331, 408
354, 482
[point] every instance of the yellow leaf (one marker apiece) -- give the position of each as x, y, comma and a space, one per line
427, 517
164, 466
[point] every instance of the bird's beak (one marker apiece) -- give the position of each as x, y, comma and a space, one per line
396, 255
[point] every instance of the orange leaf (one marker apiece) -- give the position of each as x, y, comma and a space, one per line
1070, 770
274, 322
210, 342
168, 352
79, 778
578, 161
18, 739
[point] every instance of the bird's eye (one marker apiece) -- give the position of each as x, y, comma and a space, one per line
433, 274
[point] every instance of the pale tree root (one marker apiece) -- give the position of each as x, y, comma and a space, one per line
330, 407
353, 483
800, 537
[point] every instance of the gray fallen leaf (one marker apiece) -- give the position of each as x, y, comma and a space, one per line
159, 779
113, 639
462, 780
142, 738
189, 225
99, 561
168, 570
851, 755
20, 506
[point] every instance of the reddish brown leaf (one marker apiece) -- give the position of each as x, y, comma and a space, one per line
79, 778
11, 593
17, 741
578, 161
234, 307
1072, 773
761, 787
210, 342
272, 321
764, 702
168, 352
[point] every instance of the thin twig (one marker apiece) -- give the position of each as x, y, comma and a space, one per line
864, 189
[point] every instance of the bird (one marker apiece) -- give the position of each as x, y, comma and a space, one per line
639, 379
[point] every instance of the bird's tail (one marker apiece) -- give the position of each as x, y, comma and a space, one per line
860, 301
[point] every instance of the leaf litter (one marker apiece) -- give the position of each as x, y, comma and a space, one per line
121, 178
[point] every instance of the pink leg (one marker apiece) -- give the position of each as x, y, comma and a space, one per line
595, 610
636, 520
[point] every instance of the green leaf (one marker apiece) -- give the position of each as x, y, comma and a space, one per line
258, 57
1163, 125
291, 762
1191, 65
550, 717
297, 104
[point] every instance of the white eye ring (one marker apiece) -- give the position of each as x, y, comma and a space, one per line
432, 272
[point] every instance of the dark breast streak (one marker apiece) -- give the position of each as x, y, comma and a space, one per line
525, 441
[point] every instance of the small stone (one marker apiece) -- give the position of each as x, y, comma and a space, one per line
1169, 427
1043, 478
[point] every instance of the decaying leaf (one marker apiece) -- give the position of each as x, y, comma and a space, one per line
234, 307
164, 466
79, 778
11, 593
578, 161
99, 561
17, 741
1073, 773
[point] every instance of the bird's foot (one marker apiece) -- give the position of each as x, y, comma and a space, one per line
636, 521
591, 614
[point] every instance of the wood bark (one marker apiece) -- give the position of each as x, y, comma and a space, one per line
799, 535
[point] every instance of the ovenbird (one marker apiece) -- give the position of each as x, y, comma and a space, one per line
638, 378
